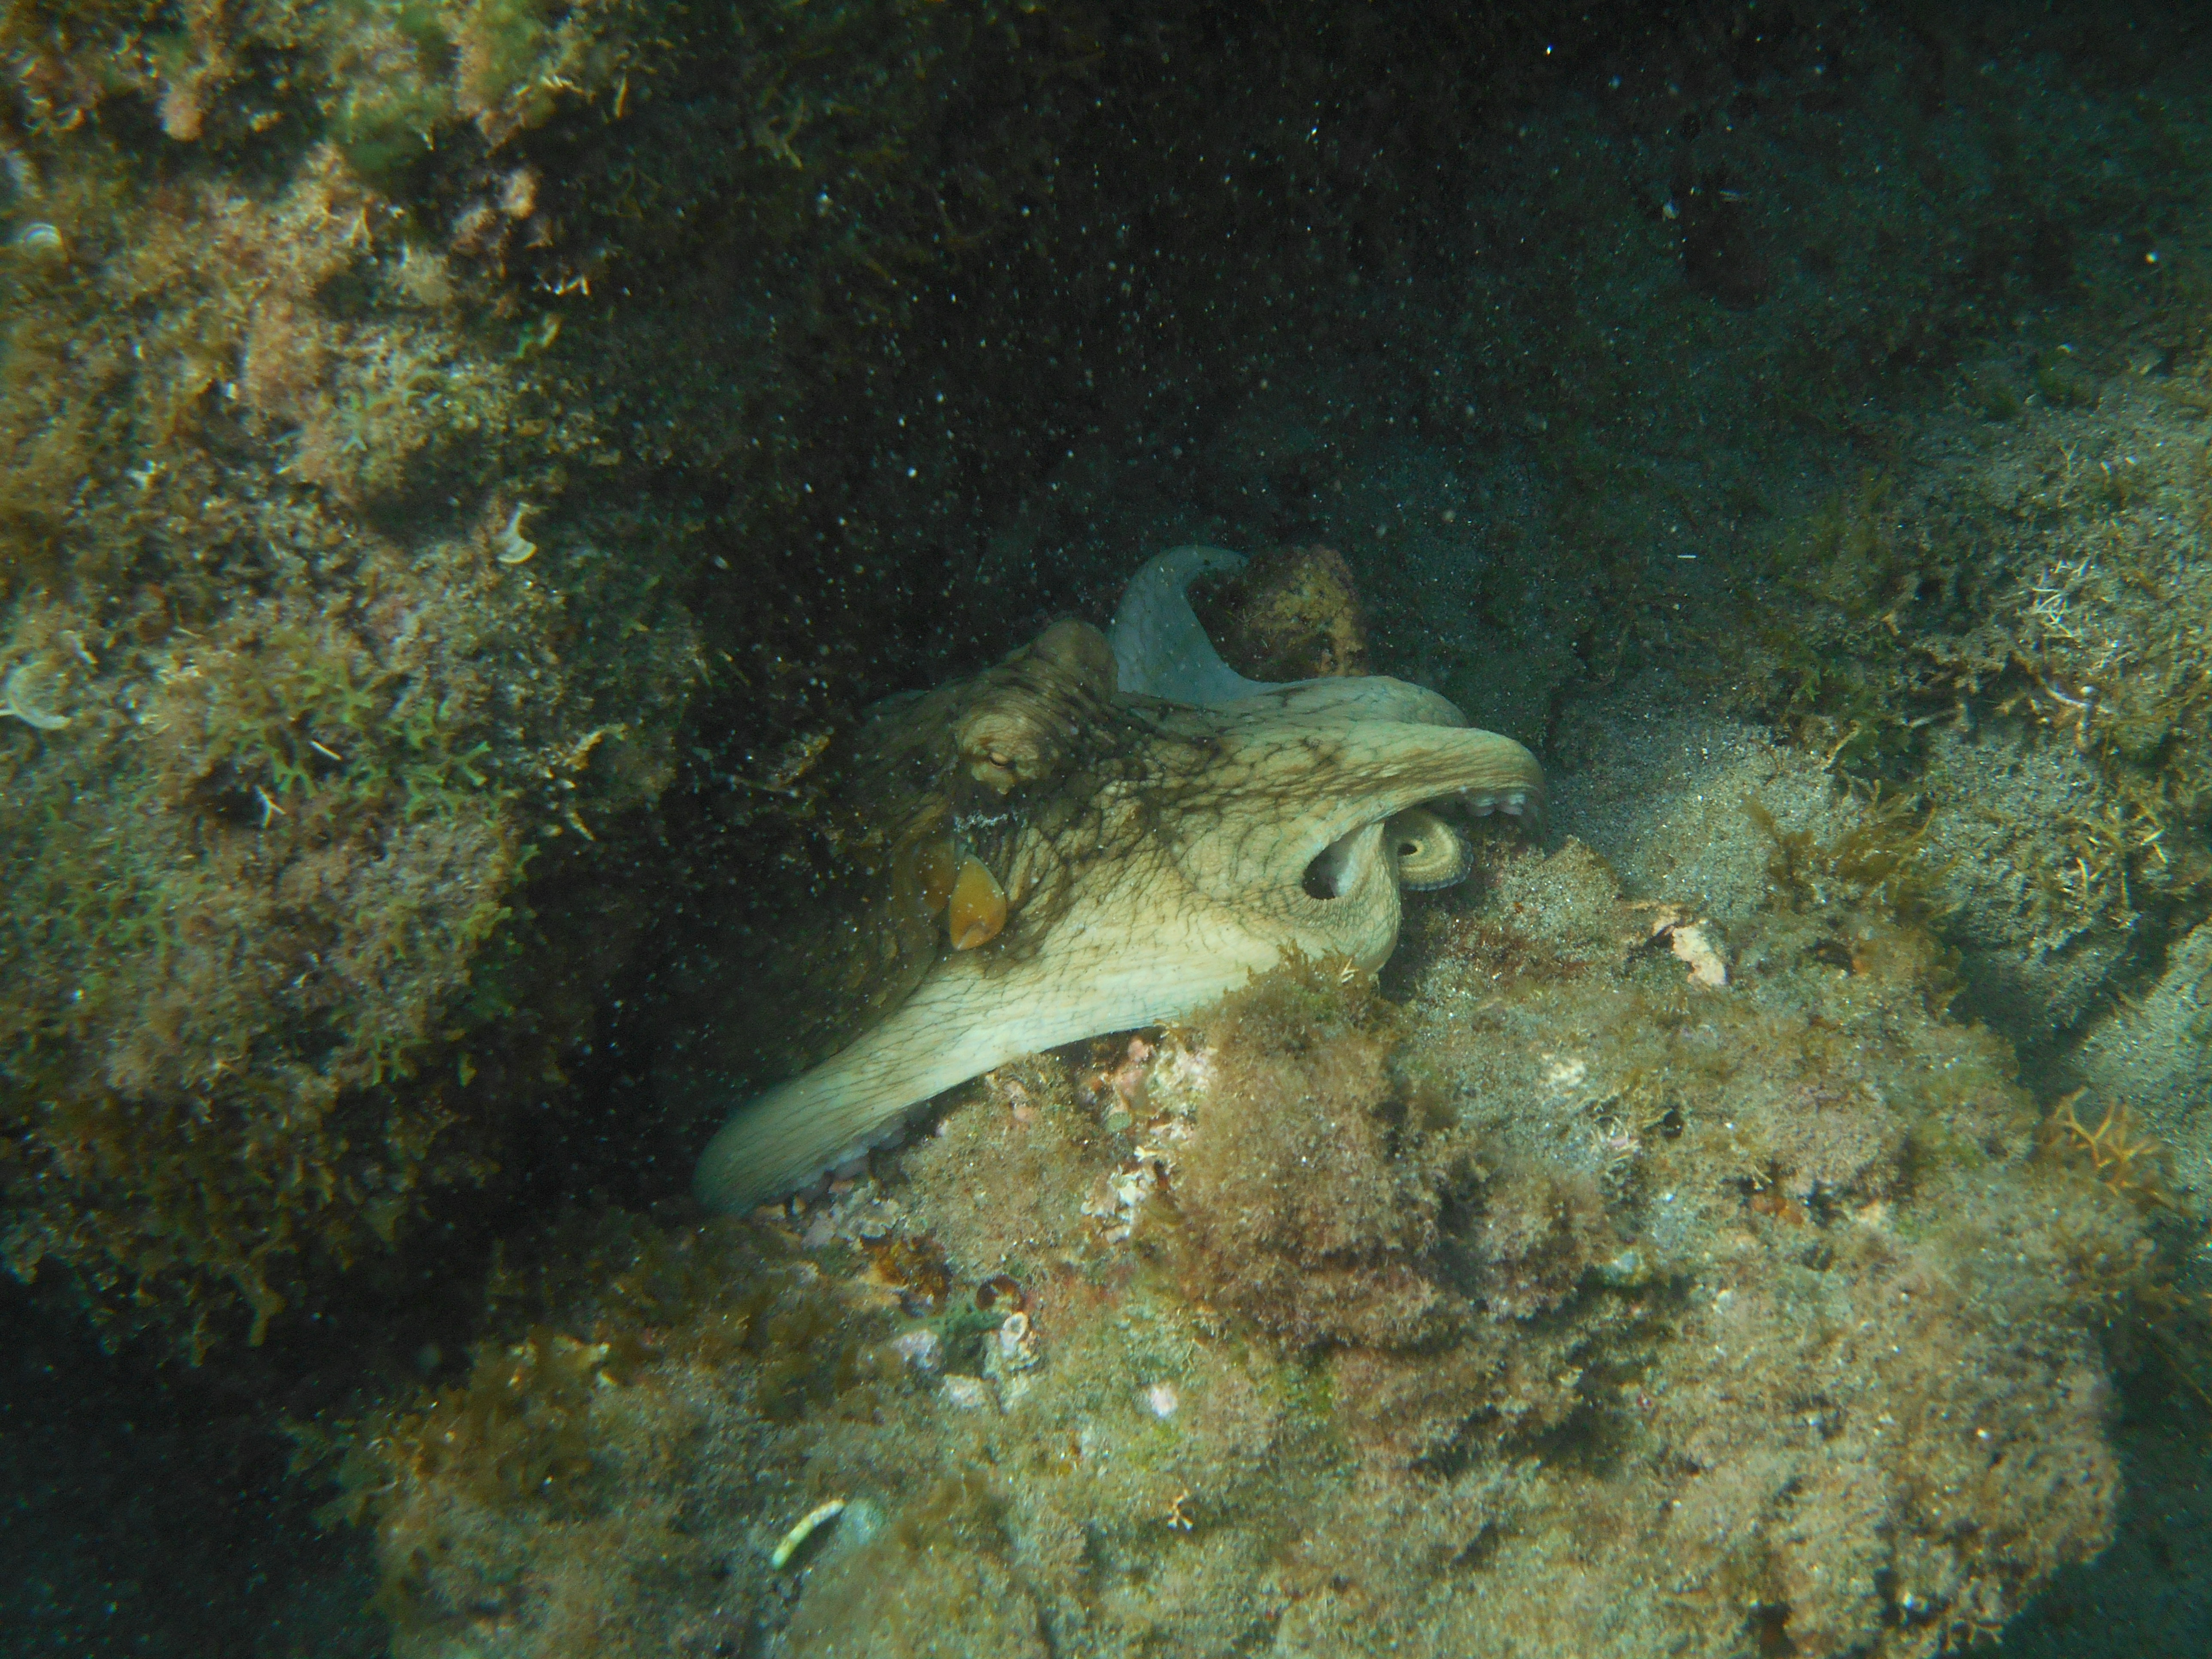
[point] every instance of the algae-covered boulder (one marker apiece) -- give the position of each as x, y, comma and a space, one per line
283, 745
343, 641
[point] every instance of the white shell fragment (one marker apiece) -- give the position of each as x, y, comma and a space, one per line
1011, 1357
18, 699
1694, 945
795, 1540
922, 1351
1018, 1344
1695, 942
513, 547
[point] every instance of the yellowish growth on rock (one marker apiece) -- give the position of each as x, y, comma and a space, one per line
2117, 1153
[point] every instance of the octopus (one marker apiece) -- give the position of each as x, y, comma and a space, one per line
1104, 831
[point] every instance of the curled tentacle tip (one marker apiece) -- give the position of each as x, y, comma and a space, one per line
1430, 853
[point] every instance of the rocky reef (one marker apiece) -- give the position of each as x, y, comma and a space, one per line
354, 594
1583, 1297
467, 466
282, 749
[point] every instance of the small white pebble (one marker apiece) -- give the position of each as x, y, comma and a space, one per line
19, 700
511, 546
1161, 1400
922, 1350
966, 1394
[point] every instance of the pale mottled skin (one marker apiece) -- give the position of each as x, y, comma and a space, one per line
1178, 881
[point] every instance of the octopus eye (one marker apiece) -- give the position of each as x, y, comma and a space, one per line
978, 908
